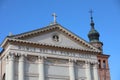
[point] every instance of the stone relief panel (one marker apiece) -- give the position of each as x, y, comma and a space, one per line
32, 59
80, 70
16, 58
80, 64
31, 68
55, 70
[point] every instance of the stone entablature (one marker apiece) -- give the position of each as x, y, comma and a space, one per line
80, 56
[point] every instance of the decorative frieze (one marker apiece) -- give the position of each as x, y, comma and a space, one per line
32, 58
64, 53
80, 64
81, 56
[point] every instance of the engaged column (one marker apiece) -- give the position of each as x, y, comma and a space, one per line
21, 68
41, 68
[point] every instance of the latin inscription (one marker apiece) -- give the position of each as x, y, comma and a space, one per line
55, 52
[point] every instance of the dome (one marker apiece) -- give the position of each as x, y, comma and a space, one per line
93, 35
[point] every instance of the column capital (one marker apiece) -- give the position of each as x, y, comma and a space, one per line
41, 59
72, 60
6, 58
21, 57
11, 56
21, 54
95, 65
87, 64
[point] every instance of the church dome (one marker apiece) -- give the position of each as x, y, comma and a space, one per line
93, 35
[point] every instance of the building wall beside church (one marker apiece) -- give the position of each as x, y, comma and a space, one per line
103, 67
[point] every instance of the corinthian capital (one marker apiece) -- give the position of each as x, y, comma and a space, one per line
21, 57
87, 64
41, 59
95, 65
11, 56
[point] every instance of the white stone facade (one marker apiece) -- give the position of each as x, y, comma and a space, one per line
39, 57
26, 65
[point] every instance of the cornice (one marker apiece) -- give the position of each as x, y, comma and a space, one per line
103, 56
24, 42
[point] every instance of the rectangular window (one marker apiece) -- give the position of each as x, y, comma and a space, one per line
104, 64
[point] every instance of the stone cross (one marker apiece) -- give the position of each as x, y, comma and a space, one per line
54, 15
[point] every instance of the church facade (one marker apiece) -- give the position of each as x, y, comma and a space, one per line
53, 53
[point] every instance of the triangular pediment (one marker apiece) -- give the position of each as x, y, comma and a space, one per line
55, 35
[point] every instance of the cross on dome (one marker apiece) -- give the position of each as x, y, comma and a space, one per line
91, 17
91, 12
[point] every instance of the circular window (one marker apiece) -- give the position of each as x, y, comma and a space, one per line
55, 38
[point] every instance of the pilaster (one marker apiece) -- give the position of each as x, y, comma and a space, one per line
41, 68
88, 72
11, 67
7, 70
21, 67
95, 72
71, 70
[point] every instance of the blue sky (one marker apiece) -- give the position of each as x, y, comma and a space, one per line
19, 16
